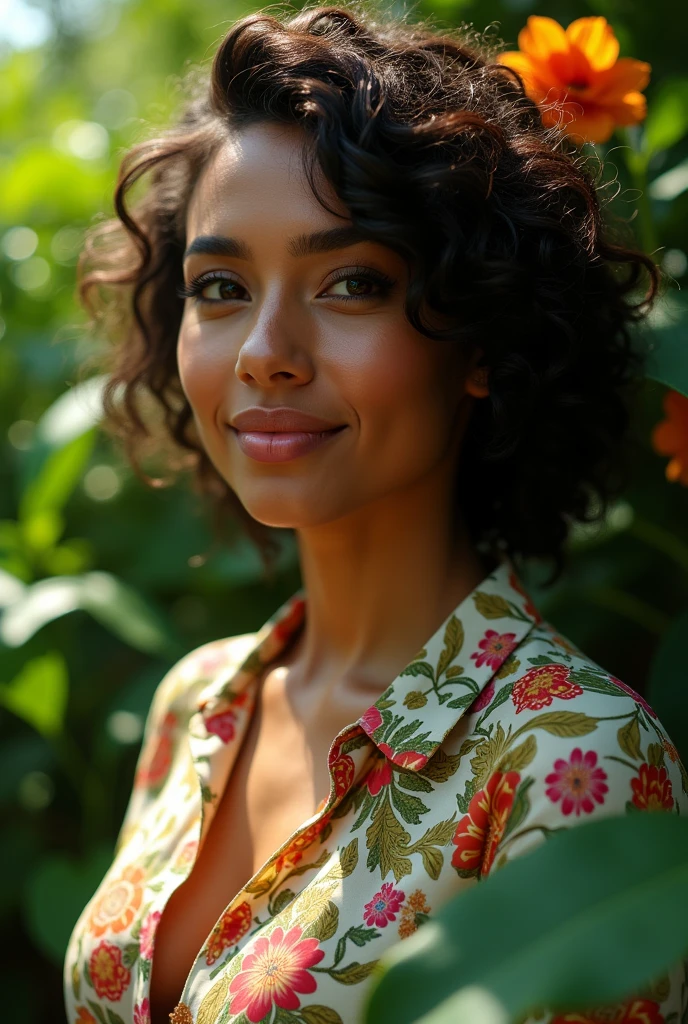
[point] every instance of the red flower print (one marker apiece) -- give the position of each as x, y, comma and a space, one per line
147, 936
222, 725
229, 929
273, 973
539, 686
631, 693
109, 975
495, 648
384, 906
483, 699
156, 762
291, 619
410, 759
371, 720
528, 606
633, 1011
116, 907
293, 854
380, 776
652, 789
343, 771
84, 1016
187, 854
577, 782
478, 833
671, 750
142, 1012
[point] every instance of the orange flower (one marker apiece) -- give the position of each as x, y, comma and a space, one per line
578, 76
84, 1017
479, 832
116, 907
670, 437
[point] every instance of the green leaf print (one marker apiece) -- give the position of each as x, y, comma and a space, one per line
463, 701
213, 1001
113, 1018
354, 973
520, 757
409, 807
282, 900
442, 766
348, 858
319, 1015
520, 808
492, 606
655, 754
97, 1012
563, 723
629, 739
387, 843
418, 668
414, 781
325, 924
433, 860
453, 642
130, 954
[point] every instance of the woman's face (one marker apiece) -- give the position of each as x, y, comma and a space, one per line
311, 393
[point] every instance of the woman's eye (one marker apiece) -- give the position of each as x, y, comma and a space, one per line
220, 290
353, 286
212, 289
360, 286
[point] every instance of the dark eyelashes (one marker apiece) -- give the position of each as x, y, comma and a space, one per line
195, 287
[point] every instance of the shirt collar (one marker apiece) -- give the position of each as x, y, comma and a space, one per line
429, 696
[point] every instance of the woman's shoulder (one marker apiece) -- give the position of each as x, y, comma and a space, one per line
179, 689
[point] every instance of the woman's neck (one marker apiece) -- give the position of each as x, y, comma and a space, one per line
379, 583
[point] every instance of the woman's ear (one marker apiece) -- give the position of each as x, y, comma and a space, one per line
476, 382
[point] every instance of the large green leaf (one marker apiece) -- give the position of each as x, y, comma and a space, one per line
39, 693
667, 116
117, 606
666, 345
667, 689
56, 893
58, 476
584, 920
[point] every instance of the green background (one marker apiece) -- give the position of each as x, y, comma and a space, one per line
104, 584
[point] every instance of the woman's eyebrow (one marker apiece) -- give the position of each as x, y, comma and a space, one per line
299, 245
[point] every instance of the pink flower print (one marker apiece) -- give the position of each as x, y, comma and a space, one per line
380, 776
142, 1013
495, 648
371, 720
222, 725
384, 906
147, 936
483, 699
577, 782
631, 693
273, 973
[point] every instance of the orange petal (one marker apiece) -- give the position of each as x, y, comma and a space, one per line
676, 407
595, 37
572, 69
529, 70
627, 75
666, 438
592, 124
677, 471
541, 37
631, 110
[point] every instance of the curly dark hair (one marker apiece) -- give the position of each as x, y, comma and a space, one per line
436, 152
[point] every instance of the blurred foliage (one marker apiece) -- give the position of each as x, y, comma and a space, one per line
103, 583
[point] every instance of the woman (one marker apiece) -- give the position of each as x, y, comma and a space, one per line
373, 297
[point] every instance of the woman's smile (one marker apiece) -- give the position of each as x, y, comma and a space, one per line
280, 435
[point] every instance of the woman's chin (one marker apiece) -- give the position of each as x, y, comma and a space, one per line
280, 512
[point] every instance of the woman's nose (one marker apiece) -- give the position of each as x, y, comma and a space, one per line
270, 356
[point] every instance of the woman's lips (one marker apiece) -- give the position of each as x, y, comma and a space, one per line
281, 446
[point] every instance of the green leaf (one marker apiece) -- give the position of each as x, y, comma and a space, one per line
282, 900
492, 606
433, 860
418, 668
113, 1018
314, 1014
663, 341
629, 739
520, 808
354, 973
113, 603
38, 695
564, 723
410, 807
57, 892
667, 691
667, 116
414, 781
453, 642
387, 843
442, 766
518, 758
58, 477
620, 873
348, 858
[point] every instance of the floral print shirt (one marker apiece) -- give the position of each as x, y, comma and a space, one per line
499, 732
